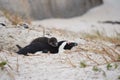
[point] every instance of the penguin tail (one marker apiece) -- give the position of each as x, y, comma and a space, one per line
19, 47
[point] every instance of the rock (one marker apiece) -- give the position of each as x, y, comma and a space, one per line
41, 9
23, 25
4, 22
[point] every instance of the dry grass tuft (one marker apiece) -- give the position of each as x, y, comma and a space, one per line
97, 35
5, 67
108, 54
15, 18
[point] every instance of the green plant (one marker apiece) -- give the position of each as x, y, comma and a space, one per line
95, 68
83, 64
119, 77
5, 67
2, 64
109, 66
116, 66
112, 66
118, 59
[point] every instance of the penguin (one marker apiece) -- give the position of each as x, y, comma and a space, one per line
50, 41
45, 48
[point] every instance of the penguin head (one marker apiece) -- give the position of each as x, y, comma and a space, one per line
67, 45
70, 45
53, 42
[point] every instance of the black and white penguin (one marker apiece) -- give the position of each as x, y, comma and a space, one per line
45, 48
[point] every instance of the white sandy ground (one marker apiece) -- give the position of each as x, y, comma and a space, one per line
65, 65
62, 66
55, 67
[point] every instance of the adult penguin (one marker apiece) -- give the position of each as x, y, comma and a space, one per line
45, 48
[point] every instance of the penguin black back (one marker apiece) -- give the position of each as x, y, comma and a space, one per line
51, 41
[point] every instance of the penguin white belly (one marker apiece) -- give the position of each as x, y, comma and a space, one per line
61, 48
